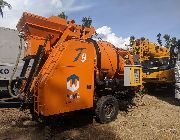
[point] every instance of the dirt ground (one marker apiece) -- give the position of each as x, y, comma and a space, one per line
156, 118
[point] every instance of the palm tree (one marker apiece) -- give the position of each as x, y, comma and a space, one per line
86, 21
178, 48
2, 5
63, 15
167, 40
173, 53
178, 43
159, 39
173, 41
132, 40
143, 39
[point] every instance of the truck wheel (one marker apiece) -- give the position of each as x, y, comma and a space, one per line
106, 109
47, 133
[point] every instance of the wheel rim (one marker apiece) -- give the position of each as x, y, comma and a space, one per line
108, 110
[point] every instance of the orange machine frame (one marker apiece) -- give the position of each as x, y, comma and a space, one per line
61, 42
65, 81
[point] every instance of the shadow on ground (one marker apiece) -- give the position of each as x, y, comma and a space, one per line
165, 94
80, 126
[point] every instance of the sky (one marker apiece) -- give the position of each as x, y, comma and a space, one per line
115, 20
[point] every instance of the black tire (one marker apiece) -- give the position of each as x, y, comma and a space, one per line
32, 113
47, 133
150, 88
177, 102
106, 109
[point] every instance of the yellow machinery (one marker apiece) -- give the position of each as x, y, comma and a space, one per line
70, 71
156, 61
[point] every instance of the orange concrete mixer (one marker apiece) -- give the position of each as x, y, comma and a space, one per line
71, 71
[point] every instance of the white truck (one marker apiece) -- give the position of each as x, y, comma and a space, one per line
9, 48
177, 73
6, 71
177, 77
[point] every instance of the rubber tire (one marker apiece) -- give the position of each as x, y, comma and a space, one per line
47, 133
150, 89
100, 112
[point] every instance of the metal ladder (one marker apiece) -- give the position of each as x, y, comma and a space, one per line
45, 73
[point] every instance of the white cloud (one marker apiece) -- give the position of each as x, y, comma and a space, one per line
56, 2
106, 34
41, 7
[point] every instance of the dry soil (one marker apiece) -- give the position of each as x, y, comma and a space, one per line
155, 117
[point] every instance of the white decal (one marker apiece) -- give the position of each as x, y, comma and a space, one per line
83, 57
73, 87
73, 96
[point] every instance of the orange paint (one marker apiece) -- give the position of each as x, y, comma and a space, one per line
65, 82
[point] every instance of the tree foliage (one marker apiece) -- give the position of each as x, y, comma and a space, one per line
174, 46
2, 5
143, 38
159, 39
86, 22
178, 43
63, 15
173, 41
132, 40
167, 40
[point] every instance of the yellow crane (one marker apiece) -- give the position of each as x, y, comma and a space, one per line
156, 61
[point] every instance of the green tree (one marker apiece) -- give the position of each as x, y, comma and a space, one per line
173, 51
167, 40
178, 48
63, 15
86, 22
159, 39
143, 38
132, 40
178, 43
2, 5
173, 41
